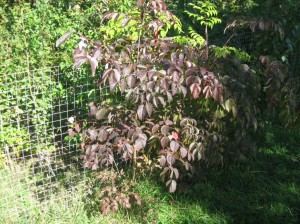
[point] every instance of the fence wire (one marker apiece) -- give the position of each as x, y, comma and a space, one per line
36, 157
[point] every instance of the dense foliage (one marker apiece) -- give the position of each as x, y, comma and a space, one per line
28, 34
177, 103
181, 102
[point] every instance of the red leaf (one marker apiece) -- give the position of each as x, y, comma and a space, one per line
203, 71
174, 146
103, 135
131, 81
149, 108
94, 64
195, 90
123, 85
175, 135
165, 130
164, 141
125, 22
170, 159
193, 79
129, 148
183, 152
162, 161
106, 73
79, 59
183, 90
101, 113
176, 172
127, 70
71, 133
174, 88
173, 185
140, 142
111, 15
114, 79
141, 112
77, 51
164, 83
155, 128
77, 128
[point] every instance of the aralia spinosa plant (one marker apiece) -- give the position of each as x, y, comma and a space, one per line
174, 101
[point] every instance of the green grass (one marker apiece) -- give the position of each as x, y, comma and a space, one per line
261, 190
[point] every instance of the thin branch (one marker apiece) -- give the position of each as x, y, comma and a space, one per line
229, 39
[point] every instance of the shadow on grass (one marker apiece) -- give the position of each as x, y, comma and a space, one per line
261, 190
264, 190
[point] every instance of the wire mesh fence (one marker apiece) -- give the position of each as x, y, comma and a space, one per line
36, 157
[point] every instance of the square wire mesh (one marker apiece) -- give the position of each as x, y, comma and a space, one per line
36, 158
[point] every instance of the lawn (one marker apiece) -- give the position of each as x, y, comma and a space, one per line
265, 189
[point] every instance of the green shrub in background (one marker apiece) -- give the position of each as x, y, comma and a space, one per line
28, 33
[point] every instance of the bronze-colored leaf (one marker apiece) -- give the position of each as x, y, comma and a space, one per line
164, 171
111, 15
174, 145
195, 90
114, 79
170, 159
164, 83
77, 127
93, 108
168, 122
102, 135
155, 128
93, 63
162, 100
174, 88
127, 70
176, 172
95, 166
142, 74
141, 112
183, 152
129, 148
92, 135
155, 102
169, 96
203, 71
112, 135
164, 130
101, 113
173, 186
149, 108
71, 133
162, 161
131, 81
151, 73
140, 142
183, 90
164, 141
125, 21
123, 85
175, 135
106, 73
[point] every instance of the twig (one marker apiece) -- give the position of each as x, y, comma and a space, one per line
229, 39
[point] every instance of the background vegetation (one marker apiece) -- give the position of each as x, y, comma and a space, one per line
250, 172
